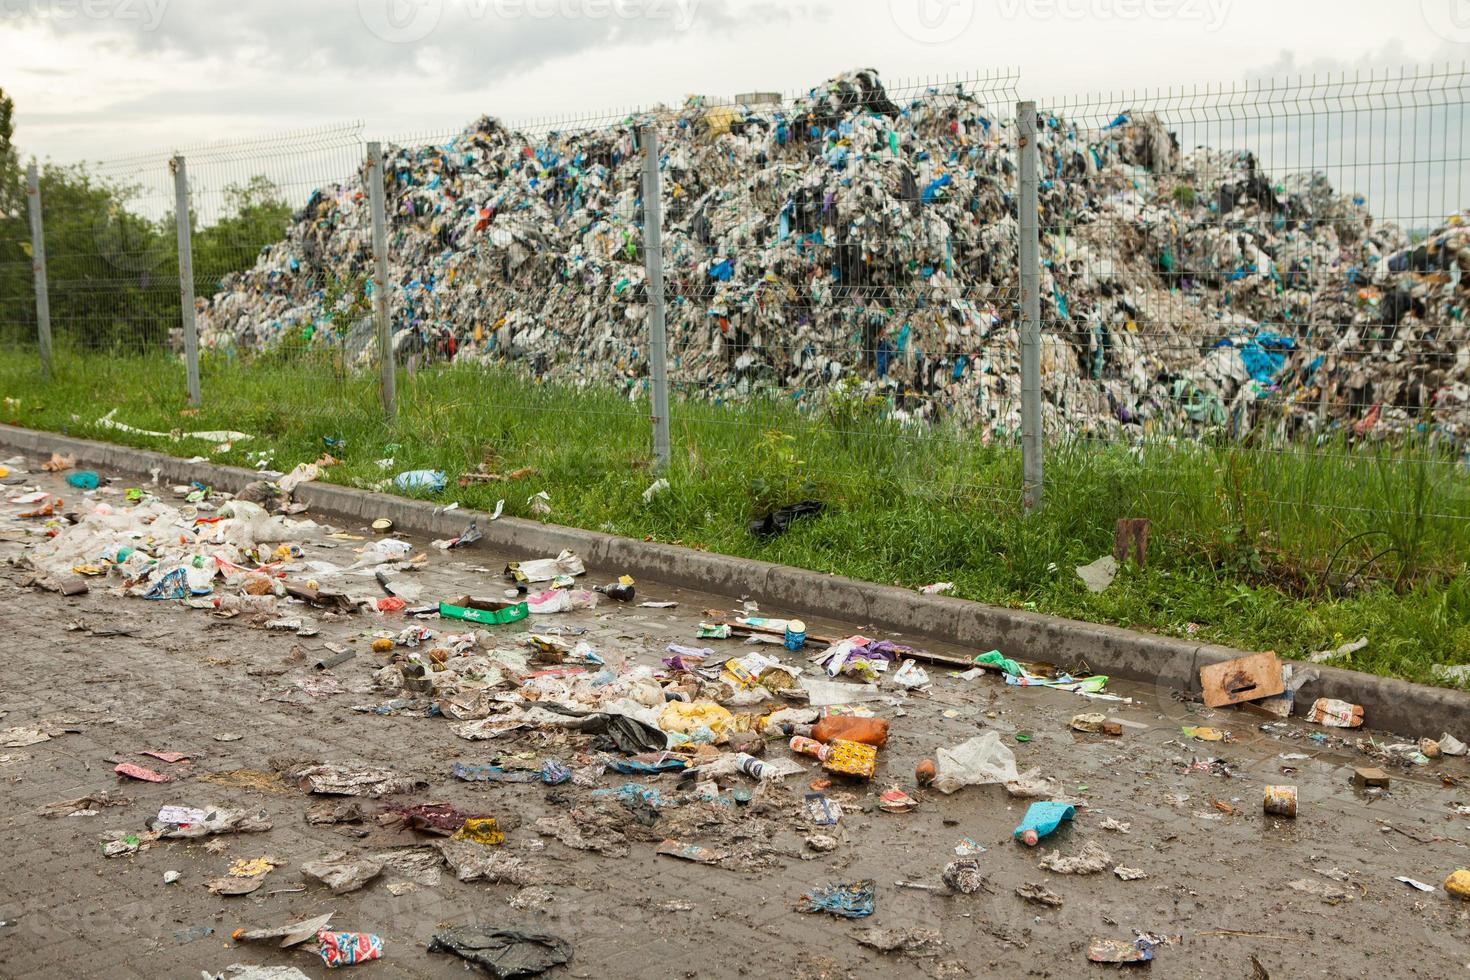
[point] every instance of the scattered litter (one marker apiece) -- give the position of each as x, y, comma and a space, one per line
922, 943
1039, 894
1090, 861
504, 953
1344, 652
848, 901
348, 948
138, 772
342, 873
1100, 574
1041, 820
1336, 714
289, 935
1120, 951
965, 877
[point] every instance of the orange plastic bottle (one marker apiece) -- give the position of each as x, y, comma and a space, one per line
867, 731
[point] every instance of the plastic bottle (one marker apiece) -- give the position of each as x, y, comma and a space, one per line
754, 768
804, 745
1041, 819
868, 731
254, 604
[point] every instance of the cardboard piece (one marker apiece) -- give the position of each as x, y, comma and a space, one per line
1242, 679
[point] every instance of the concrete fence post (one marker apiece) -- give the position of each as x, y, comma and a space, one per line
1030, 262
653, 261
186, 275
38, 267
388, 377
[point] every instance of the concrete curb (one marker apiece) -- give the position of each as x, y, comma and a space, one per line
1169, 663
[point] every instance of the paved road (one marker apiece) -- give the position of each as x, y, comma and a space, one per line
1219, 882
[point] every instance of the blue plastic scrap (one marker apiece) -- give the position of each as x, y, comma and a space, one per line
854, 900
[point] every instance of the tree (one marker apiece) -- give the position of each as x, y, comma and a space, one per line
112, 271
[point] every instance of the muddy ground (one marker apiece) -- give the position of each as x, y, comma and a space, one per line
1220, 872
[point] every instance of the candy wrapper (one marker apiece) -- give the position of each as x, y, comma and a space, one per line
348, 948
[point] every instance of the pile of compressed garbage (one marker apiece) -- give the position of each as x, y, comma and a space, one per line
848, 236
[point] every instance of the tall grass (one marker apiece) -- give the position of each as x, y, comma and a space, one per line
1286, 547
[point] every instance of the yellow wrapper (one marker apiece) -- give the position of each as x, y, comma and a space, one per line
851, 758
481, 830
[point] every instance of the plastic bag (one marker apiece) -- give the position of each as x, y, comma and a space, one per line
686, 719
978, 762
385, 550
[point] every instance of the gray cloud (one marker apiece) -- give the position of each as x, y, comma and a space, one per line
469, 41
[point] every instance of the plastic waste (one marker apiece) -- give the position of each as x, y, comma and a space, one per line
545, 569
1336, 714
383, 551
420, 482
503, 953
910, 675
839, 755
995, 659
869, 731
980, 761
83, 479
853, 900
1041, 820
689, 718
348, 948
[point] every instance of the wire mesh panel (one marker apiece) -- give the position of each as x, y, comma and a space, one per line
17, 290
283, 332
1259, 292
111, 257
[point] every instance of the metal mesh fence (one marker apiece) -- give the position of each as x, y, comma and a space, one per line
282, 335
1260, 286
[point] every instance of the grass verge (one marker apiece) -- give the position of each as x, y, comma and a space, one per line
1293, 548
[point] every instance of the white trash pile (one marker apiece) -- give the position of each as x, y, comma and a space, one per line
847, 236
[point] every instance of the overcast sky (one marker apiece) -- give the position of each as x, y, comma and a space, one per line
101, 77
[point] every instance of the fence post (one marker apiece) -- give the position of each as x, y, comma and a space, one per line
653, 263
1030, 256
186, 275
388, 378
38, 267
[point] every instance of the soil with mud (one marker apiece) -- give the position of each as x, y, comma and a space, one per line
1231, 891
